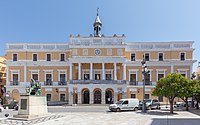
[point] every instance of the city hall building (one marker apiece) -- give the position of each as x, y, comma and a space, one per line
95, 69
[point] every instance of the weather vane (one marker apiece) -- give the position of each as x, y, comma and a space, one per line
98, 11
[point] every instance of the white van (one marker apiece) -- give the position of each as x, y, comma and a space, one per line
125, 104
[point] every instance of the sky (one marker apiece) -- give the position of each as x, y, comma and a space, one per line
51, 21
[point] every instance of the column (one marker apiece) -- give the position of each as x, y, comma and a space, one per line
7, 75
172, 68
124, 71
70, 98
191, 69
70, 71
103, 72
79, 97
103, 97
24, 74
79, 71
91, 64
115, 71
91, 97
115, 97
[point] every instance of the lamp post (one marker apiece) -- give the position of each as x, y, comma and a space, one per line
144, 72
192, 78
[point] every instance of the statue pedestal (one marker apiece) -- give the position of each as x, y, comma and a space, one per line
31, 106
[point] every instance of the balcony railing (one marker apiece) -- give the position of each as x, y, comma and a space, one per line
149, 83
14, 83
61, 83
97, 82
135, 83
48, 83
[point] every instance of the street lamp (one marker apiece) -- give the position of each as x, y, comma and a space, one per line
192, 78
144, 72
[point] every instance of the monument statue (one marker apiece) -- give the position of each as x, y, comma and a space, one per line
34, 89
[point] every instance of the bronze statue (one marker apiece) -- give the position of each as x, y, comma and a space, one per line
34, 89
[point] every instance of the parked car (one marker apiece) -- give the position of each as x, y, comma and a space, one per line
11, 105
183, 104
125, 104
150, 104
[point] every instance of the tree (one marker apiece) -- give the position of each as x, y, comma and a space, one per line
196, 91
186, 90
169, 87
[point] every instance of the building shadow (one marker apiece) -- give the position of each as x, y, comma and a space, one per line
175, 121
195, 111
158, 112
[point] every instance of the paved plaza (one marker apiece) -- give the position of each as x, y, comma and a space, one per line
99, 115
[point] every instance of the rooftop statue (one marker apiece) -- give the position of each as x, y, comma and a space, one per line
34, 89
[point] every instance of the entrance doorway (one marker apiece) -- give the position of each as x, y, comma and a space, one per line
97, 97
86, 97
108, 97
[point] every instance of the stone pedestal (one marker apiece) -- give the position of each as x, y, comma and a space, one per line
31, 107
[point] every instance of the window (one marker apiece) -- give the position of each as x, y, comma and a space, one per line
132, 77
34, 57
74, 52
119, 52
48, 97
183, 74
132, 56
97, 77
125, 102
147, 79
62, 78
109, 51
48, 57
14, 57
146, 56
48, 79
62, 97
108, 77
15, 79
182, 56
160, 56
35, 77
146, 96
133, 96
86, 76
160, 76
160, 98
85, 51
62, 57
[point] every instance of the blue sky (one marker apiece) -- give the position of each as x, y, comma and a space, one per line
140, 20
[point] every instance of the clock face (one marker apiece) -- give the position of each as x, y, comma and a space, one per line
97, 51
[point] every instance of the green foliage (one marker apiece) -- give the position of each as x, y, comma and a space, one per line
196, 90
168, 86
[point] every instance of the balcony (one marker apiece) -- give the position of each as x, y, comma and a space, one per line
97, 82
148, 83
48, 83
14, 83
62, 83
135, 83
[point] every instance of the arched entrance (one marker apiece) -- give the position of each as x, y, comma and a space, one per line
97, 96
86, 96
109, 96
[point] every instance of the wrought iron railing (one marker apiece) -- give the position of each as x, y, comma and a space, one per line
62, 83
135, 83
14, 83
97, 82
48, 83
